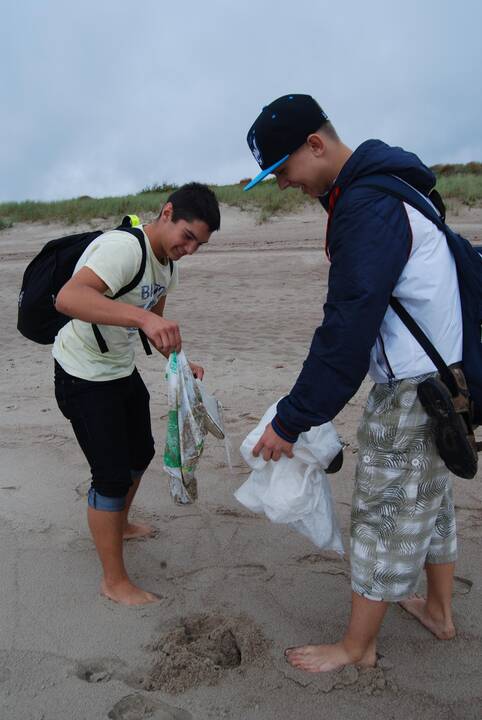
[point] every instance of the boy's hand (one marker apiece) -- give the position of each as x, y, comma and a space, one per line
163, 334
271, 446
197, 370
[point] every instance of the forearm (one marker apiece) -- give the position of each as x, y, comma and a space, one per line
86, 303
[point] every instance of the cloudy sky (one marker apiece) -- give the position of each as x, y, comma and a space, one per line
103, 97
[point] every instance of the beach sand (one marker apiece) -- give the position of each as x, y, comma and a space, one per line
235, 589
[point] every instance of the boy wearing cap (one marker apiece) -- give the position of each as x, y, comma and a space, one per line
100, 390
402, 509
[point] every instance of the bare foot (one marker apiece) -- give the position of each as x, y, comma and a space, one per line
323, 658
125, 593
132, 531
417, 606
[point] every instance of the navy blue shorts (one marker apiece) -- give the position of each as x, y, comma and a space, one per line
112, 423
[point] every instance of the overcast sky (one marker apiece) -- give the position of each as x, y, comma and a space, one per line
103, 97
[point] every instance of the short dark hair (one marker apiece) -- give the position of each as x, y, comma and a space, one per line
195, 201
329, 130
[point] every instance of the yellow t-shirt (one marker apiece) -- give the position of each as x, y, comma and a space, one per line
114, 256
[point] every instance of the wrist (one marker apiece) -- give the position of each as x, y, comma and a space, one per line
283, 432
141, 318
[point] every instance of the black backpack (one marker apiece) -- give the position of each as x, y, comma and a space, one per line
47, 273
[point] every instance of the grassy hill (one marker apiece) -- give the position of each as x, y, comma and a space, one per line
462, 183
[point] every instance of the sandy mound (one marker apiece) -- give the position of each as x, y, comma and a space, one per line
201, 649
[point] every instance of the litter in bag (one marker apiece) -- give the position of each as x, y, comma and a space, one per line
192, 414
295, 491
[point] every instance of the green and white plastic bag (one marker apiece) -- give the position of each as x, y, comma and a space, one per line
186, 429
192, 414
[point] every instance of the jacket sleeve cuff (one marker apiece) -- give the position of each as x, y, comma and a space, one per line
282, 432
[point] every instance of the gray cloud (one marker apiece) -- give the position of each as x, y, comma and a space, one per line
102, 98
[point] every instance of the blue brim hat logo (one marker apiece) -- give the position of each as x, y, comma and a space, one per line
255, 150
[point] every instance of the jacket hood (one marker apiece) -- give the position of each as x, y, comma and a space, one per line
376, 157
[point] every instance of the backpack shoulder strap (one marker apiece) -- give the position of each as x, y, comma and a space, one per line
127, 288
394, 186
425, 343
138, 276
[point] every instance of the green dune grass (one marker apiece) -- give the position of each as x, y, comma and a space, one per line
462, 183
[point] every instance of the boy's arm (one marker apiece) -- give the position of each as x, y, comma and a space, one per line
82, 297
158, 309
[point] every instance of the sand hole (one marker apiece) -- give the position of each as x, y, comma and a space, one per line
201, 649
95, 672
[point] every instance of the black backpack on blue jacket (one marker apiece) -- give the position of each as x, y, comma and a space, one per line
468, 262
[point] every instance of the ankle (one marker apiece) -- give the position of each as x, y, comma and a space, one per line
439, 611
114, 580
356, 651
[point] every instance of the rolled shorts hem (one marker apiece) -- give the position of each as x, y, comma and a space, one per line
386, 598
108, 504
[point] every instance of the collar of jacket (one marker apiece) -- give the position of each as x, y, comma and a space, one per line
333, 196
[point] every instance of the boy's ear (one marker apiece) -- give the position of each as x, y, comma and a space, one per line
316, 144
166, 212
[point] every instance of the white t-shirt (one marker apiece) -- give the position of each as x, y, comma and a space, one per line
428, 289
114, 256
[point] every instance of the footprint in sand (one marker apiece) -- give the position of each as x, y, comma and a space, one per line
137, 707
231, 512
194, 579
324, 564
82, 488
369, 681
82, 544
94, 672
462, 586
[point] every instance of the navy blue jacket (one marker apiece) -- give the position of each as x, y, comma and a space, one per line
369, 244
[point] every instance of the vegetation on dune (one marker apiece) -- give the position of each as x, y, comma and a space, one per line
462, 183
465, 187
470, 168
5, 223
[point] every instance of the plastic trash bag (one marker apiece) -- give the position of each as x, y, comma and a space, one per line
192, 414
295, 490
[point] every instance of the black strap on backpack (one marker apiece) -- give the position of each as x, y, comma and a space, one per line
138, 233
130, 286
423, 340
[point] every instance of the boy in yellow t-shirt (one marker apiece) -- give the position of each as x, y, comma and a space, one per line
102, 393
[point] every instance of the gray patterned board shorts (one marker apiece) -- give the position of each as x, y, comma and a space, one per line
402, 509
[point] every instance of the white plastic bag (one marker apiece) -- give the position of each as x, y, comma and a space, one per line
295, 490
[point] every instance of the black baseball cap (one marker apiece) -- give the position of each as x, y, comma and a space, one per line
281, 128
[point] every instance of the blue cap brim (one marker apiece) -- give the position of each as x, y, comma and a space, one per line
263, 173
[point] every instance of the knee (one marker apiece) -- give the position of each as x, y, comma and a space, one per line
110, 488
142, 460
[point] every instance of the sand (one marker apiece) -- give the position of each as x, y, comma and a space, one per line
235, 589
